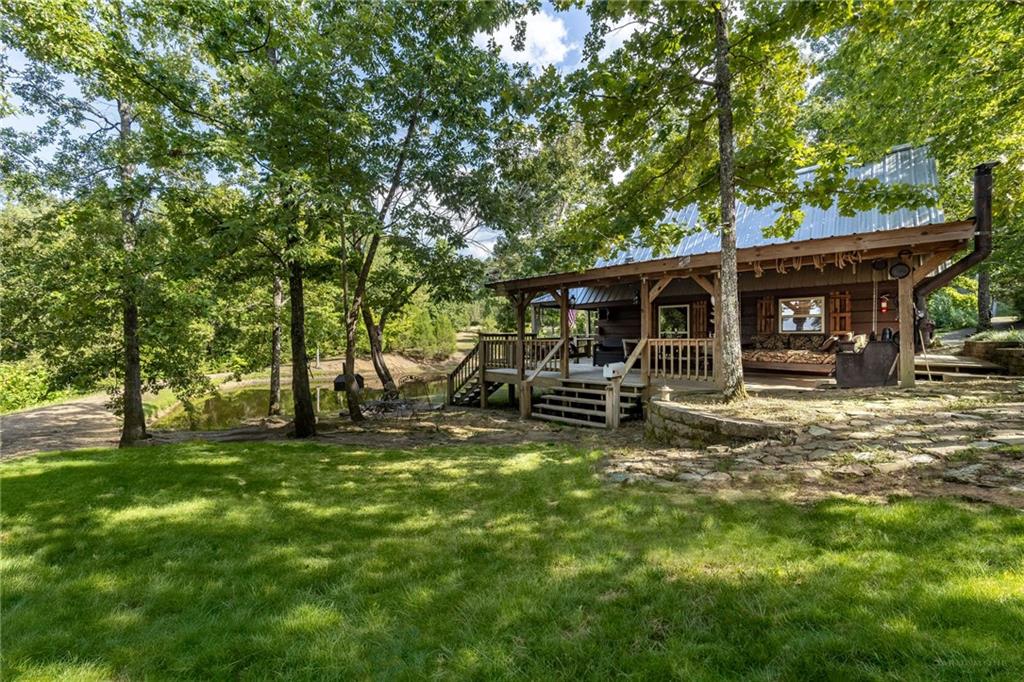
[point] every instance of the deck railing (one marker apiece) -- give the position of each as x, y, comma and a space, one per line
465, 372
535, 352
681, 358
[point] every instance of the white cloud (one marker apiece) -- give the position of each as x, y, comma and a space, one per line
618, 36
546, 41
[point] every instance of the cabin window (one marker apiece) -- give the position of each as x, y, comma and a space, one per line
674, 321
802, 315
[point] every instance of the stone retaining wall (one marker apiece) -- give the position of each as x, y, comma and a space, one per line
674, 423
987, 350
1010, 358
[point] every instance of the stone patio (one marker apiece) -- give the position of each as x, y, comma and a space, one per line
928, 441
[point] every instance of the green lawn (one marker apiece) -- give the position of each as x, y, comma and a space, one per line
308, 561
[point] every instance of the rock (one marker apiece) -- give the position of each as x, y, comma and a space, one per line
1008, 437
967, 474
946, 449
820, 454
865, 456
819, 431
853, 470
892, 467
984, 444
718, 477
688, 477
618, 477
859, 422
922, 459
812, 474
860, 435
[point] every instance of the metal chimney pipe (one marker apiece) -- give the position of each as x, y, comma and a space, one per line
982, 234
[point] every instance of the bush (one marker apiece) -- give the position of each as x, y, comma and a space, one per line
1002, 335
25, 383
955, 306
422, 331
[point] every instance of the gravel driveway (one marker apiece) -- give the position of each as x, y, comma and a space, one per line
80, 423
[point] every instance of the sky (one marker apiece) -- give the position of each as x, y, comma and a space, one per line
552, 39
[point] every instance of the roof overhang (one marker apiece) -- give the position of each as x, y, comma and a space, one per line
940, 237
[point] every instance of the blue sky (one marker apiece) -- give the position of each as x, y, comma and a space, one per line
554, 38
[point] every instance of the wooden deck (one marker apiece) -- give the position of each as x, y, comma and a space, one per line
584, 371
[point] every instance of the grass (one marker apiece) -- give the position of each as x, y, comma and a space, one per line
217, 561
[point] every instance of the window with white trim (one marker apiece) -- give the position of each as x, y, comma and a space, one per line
674, 321
802, 315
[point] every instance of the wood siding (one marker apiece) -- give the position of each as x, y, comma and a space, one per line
624, 319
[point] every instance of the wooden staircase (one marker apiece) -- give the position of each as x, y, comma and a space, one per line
584, 404
469, 394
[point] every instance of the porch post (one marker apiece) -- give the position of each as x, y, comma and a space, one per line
645, 328
563, 309
716, 347
520, 304
525, 391
483, 370
906, 310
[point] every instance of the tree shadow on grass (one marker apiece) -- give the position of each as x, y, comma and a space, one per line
311, 561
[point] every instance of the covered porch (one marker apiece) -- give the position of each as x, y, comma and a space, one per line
836, 272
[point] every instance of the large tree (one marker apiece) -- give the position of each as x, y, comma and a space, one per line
111, 157
945, 74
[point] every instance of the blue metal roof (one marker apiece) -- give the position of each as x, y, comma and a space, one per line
903, 165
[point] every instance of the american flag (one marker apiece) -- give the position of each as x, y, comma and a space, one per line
572, 318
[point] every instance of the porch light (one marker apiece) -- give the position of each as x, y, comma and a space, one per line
883, 304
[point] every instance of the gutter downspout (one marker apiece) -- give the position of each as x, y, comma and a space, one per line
982, 237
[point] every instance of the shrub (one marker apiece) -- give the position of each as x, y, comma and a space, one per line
955, 306
422, 331
25, 383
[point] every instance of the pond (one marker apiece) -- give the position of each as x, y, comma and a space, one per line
234, 408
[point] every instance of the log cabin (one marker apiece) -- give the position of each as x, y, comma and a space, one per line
843, 297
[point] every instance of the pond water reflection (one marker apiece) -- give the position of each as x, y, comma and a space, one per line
233, 408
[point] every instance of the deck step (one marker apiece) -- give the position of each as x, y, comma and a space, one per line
567, 408
547, 407
571, 394
630, 395
571, 399
568, 420
627, 400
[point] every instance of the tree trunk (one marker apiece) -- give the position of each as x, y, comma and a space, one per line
305, 417
349, 369
731, 359
275, 351
133, 426
984, 298
380, 365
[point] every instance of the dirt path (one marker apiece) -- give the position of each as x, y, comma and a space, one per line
79, 423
